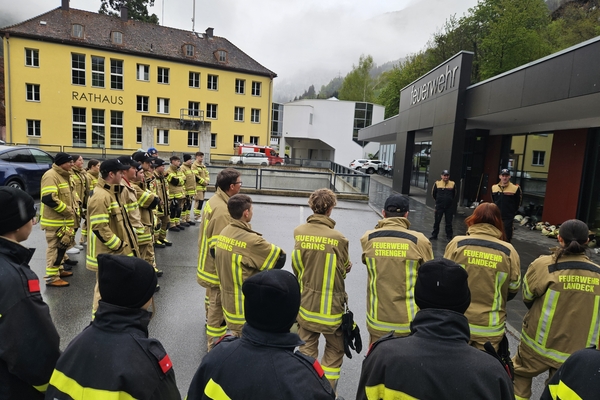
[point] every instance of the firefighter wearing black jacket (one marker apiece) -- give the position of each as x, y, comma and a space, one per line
435, 361
114, 357
28, 339
577, 378
443, 193
263, 363
508, 198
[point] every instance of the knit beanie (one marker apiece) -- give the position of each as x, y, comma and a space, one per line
442, 283
187, 157
272, 300
16, 209
125, 281
62, 158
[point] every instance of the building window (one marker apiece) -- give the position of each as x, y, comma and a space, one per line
256, 87
117, 37
97, 71
238, 114
77, 31
116, 74
188, 50
142, 103
163, 106
34, 127
98, 128
211, 111
310, 118
221, 55
255, 116
79, 128
143, 72
193, 139
193, 108
116, 129
138, 135
238, 139
240, 86
32, 58
195, 79
163, 75
213, 82
363, 117
213, 140
33, 92
254, 140
162, 136
538, 158
277, 119
78, 69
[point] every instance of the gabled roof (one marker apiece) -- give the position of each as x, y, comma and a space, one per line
139, 38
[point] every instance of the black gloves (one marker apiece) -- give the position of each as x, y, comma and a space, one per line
351, 334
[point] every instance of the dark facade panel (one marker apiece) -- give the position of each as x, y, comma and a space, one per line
548, 81
414, 118
585, 78
507, 92
478, 100
428, 111
445, 109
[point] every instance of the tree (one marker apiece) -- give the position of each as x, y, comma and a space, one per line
358, 84
136, 9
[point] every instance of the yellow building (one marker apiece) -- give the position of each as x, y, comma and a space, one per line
81, 79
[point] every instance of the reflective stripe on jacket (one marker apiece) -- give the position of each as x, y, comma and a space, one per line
203, 177
176, 181
57, 200
190, 179
162, 190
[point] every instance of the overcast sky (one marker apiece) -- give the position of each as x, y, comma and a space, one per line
303, 41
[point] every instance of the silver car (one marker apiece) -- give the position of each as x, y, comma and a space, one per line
250, 159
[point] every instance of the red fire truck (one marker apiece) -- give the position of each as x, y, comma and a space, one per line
271, 154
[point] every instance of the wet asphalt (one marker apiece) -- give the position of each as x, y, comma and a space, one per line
179, 319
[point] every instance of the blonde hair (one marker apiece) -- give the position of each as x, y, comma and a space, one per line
322, 200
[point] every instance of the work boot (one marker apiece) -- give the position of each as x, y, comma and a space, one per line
67, 267
64, 274
159, 272
157, 288
167, 243
158, 244
191, 223
181, 227
55, 281
70, 262
185, 224
174, 229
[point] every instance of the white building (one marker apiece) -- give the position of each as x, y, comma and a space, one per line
328, 129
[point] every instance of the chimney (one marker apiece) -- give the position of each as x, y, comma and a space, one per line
64, 5
209, 32
124, 16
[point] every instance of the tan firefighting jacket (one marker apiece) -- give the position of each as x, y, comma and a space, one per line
147, 201
81, 184
565, 314
215, 217
240, 253
93, 179
494, 270
129, 201
58, 204
162, 190
110, 230
393, 254
202, 176
190, 180
176, 181
320, 260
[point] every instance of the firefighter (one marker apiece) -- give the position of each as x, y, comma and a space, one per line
152, 152
113, 358
443, 192
59, 215
92, 172
202, 181
271, 301
508, 198
435, 361
162, 211
215, 217
176, 181
392, 253
321, 262
561, 292
494, 269
30, 344
109, 222
81, 186
190, 190
577, 378
129, 198
240, 253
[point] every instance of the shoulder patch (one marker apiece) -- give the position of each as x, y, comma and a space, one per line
318, 368
165, 364
34, 285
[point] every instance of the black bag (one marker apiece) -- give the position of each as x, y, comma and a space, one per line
502, 355
351, 332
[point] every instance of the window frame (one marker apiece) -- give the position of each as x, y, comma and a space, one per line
194, 78
117, 129
186, 50
193, 108
34, 128
32, 92
80, 71
240, 137
146, 72
116, 78
114, 35
238, 113
165, 135
166, 104
138, 103
99, 74
212, 82
99, 123
254, 140
256, 87
213, 140
73, 31
138, 134
195, 138
209, 111
255, 112
240, 86
81, 126
535, 159
35, 58
162, 75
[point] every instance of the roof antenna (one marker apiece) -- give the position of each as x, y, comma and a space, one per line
163, 13
194, 16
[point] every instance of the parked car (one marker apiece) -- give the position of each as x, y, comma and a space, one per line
250, 159
22, 167
356, 164
372, 166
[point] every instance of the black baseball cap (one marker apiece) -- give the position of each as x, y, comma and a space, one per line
445, 172
112, 165
142, 157
505, 172
396, 203
127, 160
159, 162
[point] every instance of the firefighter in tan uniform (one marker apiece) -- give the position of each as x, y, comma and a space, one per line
111, 231
494, 269
81, 186
215, 217
321, 262
240, 253
190, 189
562, 292
92, 174
202, 181
393, 253
508, 198
58, 217
162, 211
176, 181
